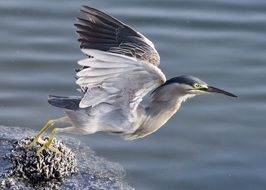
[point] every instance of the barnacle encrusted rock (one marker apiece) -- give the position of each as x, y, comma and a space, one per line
44, 168
38, 170
17, 165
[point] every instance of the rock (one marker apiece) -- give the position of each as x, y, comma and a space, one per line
45, 168
77, 168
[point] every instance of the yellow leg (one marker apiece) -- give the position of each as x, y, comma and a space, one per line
38, 138
47, 145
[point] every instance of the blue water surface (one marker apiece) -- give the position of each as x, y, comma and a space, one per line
213, 142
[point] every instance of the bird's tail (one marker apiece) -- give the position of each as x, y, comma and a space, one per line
70, 103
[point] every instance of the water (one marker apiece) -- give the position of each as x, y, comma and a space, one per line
213, 142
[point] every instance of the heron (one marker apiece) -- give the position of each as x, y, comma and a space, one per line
119, 71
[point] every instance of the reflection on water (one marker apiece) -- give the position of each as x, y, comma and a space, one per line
213, 142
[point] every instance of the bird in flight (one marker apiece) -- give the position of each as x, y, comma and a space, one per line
120, 69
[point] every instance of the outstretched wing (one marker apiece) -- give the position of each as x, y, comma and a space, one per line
116, 79
103, 32
121, 67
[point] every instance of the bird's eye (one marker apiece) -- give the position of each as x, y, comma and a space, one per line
196, 85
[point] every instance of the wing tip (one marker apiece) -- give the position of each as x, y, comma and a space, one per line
98, 30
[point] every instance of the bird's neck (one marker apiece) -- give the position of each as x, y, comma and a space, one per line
160, 109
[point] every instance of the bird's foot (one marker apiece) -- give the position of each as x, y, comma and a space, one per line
36, 140
46, 146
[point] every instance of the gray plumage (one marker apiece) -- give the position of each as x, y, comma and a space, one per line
119, 71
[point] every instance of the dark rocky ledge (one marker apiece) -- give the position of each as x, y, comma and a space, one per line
77, 168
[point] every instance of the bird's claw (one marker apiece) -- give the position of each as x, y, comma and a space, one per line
48, 147
35, 141
46, 144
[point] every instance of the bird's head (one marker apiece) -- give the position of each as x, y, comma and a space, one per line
190, 86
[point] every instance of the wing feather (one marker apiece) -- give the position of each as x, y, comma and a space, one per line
103, 32
125, 85
121, 67
90, 72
